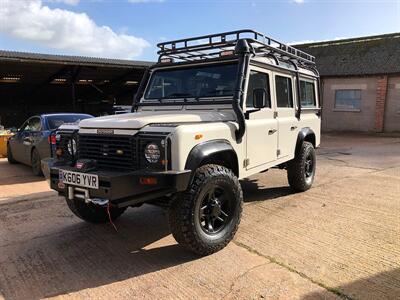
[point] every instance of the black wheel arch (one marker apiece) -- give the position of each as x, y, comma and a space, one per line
218, 151
305, 134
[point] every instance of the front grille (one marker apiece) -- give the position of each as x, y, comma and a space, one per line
110, 151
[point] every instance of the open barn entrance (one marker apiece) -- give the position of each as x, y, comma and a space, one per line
38, 83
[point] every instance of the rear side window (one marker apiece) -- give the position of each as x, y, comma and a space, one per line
283, 86
307, 94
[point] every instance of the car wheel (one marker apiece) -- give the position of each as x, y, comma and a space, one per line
35, 163
93, 213
301, 170
10, 157
206, 217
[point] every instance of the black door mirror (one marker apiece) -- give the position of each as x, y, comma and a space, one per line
259, 98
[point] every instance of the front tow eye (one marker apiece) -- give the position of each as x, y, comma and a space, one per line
98, 201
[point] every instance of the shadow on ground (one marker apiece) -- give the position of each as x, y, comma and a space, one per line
253, 191
85, 256
361, 289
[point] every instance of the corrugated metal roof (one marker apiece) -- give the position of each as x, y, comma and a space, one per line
371, 55
6, 55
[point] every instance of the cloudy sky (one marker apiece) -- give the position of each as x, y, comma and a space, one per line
132, 28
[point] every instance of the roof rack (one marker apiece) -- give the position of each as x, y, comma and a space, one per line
211, 46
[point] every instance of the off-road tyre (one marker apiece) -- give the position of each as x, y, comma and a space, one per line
10, 157
219, 188
301, 170
93, 213
36, 163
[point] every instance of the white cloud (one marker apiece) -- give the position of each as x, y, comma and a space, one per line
298, 1
66, 31
69, 2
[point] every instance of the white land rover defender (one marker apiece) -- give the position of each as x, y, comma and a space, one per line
213, 110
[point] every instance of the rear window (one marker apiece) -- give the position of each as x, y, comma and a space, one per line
56, 121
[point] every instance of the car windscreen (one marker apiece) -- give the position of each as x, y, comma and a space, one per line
57, 120
192, 83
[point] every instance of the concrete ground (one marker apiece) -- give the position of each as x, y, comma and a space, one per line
339, 240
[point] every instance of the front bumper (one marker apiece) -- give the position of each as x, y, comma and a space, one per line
120, 188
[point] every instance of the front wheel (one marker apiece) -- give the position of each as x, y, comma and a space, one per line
301, 170
10, 157
93, 213
206, 217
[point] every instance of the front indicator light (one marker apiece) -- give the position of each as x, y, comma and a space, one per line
152, 153
148, 180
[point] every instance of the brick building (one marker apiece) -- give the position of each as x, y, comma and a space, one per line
360, 83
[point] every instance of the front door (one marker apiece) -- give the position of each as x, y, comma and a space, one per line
261, 126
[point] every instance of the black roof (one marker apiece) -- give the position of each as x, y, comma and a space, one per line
15, 56
370, 55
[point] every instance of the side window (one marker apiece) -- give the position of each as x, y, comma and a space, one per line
34, 124
257, 80
24, 126
284, 97
348, 100
307, 94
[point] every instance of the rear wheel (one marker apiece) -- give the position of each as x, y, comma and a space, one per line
10, 157
93, 213
205, 218
36, 164
301, 170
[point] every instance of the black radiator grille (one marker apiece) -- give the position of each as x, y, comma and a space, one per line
110, 151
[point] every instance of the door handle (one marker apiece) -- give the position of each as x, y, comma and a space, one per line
27, 139
271, 131
293, 128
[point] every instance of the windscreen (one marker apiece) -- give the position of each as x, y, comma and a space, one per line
57, 120
192, 83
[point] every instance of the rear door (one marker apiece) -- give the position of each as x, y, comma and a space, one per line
261, 126
286, 116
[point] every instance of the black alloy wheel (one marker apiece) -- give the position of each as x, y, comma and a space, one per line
215, 209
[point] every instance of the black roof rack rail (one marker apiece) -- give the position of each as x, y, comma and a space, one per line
211, 46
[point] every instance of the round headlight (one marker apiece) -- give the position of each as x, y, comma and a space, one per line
71, 146
152, 153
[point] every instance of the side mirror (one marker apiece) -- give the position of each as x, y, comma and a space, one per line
259, 98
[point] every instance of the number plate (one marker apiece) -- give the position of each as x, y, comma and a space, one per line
79, 179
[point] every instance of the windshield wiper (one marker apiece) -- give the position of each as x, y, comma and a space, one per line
177, 95
213, 93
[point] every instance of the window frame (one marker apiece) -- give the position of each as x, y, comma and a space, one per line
343, 109
144, 101
290, 77
315, 89
252, 108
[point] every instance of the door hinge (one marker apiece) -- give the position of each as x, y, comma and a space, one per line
246, 162
278, 152
275, 114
